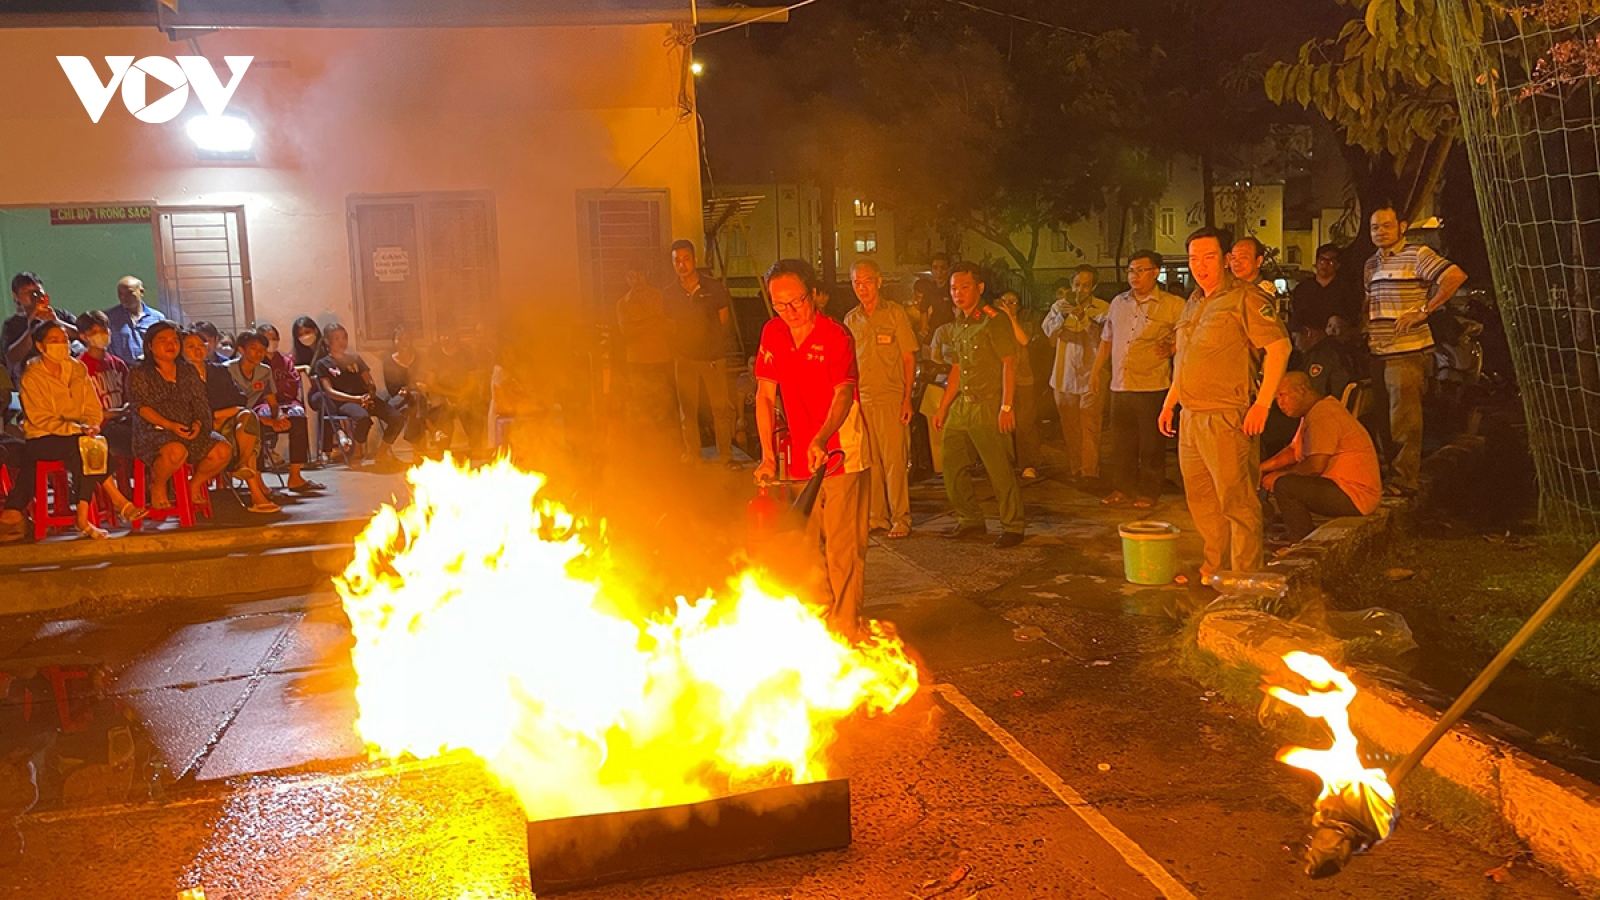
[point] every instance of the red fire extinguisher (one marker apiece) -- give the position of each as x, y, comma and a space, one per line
761, 516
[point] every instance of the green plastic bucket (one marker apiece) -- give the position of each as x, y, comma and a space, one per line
1149, 552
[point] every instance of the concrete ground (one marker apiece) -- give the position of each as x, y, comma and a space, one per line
1055, 751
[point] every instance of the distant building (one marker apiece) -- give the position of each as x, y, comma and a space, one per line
480, 160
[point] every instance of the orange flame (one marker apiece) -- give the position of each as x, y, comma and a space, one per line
1346, 783
473, 631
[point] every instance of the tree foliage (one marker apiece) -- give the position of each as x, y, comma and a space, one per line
1384, 83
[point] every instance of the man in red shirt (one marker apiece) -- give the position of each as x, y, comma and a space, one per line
810, 360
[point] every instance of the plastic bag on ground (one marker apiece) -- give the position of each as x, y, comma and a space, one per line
1375, 628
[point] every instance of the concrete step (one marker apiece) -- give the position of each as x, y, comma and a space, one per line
214, 570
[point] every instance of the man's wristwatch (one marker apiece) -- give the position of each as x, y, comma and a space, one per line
1005, 407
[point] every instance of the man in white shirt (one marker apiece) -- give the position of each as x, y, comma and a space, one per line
1073, 324
1138, 340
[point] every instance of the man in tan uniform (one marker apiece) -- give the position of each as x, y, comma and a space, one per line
886, 354
1219, 453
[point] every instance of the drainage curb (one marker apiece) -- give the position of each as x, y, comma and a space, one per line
1555, 812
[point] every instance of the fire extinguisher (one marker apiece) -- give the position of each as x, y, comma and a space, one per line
764, 515
761, 516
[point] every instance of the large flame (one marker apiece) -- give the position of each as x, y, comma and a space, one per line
476, 628
1349, 789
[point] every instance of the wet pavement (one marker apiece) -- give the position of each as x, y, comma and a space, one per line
1056, 751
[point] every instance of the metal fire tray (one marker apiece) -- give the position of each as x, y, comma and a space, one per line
584, 851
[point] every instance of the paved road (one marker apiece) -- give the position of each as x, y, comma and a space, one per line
1058, 753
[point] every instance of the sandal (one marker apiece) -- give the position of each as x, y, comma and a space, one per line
306, 487
265, 509
245, 473
1143, 503
93, 532
898, 532
131, 512
1115, 498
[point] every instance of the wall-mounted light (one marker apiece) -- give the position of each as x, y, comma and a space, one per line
697, 67
222, 137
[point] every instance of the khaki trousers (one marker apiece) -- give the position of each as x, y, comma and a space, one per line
836, 538
1405, 376
1080, 416
1221, 468
690, 372
888, 444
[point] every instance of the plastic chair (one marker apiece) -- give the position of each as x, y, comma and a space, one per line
53, 506
1356, 396
182, 507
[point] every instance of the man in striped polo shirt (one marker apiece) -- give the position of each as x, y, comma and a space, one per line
1404, 283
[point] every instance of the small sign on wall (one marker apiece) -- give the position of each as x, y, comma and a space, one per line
100, 215
391, 264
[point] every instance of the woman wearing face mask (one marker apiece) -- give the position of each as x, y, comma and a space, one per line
309, 345
60, 406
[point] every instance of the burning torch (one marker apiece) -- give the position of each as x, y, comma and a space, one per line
1357, 806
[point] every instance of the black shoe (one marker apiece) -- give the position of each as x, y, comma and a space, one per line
1007, 540
962, 532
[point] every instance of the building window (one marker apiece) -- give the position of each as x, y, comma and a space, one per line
866, 242
424, 261
1292, 254
866, 209
1169, 222
615, 229
1058, 241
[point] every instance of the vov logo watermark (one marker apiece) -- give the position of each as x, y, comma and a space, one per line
133, 78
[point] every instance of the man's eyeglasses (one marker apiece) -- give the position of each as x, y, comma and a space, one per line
35, 294
791, 305
1141, 270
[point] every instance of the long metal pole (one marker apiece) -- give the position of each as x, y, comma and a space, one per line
1495, 666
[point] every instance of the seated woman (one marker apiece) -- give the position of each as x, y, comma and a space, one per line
309, 343
262, 384
345, 381
59, 406
174, 424
406, 396
231, 419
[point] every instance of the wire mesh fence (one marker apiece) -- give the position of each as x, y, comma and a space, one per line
1526, 78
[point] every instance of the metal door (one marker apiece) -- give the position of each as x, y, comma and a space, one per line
203, 265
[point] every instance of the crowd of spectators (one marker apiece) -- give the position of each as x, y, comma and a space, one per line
115, 392
1207, 368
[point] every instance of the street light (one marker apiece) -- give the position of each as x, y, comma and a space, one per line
224, 135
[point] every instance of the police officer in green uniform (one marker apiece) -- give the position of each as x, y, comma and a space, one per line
976, 414
1214, 380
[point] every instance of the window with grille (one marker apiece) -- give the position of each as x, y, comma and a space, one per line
426, 261
866, 242
866, 209
1058, 241
1169, 221
616, 229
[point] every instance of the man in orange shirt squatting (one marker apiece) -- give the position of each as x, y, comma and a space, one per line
1329, 469
810, 360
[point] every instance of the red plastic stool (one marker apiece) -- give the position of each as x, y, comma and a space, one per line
182, 507
53, 506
